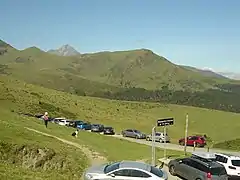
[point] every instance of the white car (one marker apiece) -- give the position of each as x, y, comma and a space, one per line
159, 136
63, 122
125, 170
231, 164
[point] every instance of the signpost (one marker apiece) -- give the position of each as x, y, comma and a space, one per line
160, 122
186, 134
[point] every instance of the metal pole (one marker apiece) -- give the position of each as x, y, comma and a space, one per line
186, 133
165, 149
153, 146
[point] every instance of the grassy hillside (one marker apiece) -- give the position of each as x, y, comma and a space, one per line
117, 75
20, 97
134, 68
139, 68
30, 155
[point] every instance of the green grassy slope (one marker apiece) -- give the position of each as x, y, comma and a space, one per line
21, 149
18, 96
139, 68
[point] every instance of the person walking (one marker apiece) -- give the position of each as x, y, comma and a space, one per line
45, 118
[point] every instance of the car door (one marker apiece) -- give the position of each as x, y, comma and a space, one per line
138, 175
184, 168
191, 140
131, 133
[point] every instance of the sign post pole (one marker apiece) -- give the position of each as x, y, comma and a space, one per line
186, 133
165, 122
165, 149
153, 147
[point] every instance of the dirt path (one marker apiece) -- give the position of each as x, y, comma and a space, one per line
94, 157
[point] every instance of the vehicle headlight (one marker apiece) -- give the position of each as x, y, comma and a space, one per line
89, 176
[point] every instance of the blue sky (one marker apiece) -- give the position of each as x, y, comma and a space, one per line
200, 33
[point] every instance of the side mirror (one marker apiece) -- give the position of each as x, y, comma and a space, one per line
112, 175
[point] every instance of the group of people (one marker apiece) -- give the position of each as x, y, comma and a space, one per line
46, 119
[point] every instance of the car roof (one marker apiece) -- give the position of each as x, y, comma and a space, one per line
205, 155
209, 163
134, 164
228, 155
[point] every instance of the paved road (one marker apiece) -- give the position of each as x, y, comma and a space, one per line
170, 177
174, 146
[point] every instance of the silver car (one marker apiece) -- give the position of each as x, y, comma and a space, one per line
159, 136
196, 169
127, 170
133, 133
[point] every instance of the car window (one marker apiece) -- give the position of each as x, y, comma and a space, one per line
194, 138
111, 167
156, 172
236, 163
136, 131
137, 173
187, 162
218, 171
199, 166
122, 172
158, 134
221, 159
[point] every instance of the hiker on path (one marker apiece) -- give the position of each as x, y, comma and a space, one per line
75, 133
45, 118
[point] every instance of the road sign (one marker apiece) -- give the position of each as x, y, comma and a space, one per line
165, 122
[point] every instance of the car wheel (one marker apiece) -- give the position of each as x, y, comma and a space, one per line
147, 139
136, 137
198, 145
124, 135
160, 140
172, 170
181, 143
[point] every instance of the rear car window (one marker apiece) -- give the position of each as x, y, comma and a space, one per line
156, 172
236, 163
218, 171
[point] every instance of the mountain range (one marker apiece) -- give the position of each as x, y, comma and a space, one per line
139, 75
67, 50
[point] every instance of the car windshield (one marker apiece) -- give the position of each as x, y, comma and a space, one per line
156, 171
111, 167
236, 163
218, 171
108, 128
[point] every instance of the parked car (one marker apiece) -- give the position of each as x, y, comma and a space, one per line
125, 170
231, 164
84, 126
198, 140
195, 169
63, 122
108, 130
57, 120
159, 136
75, 123
133, 133
97, 128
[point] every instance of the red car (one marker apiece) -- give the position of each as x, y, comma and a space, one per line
199, 141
